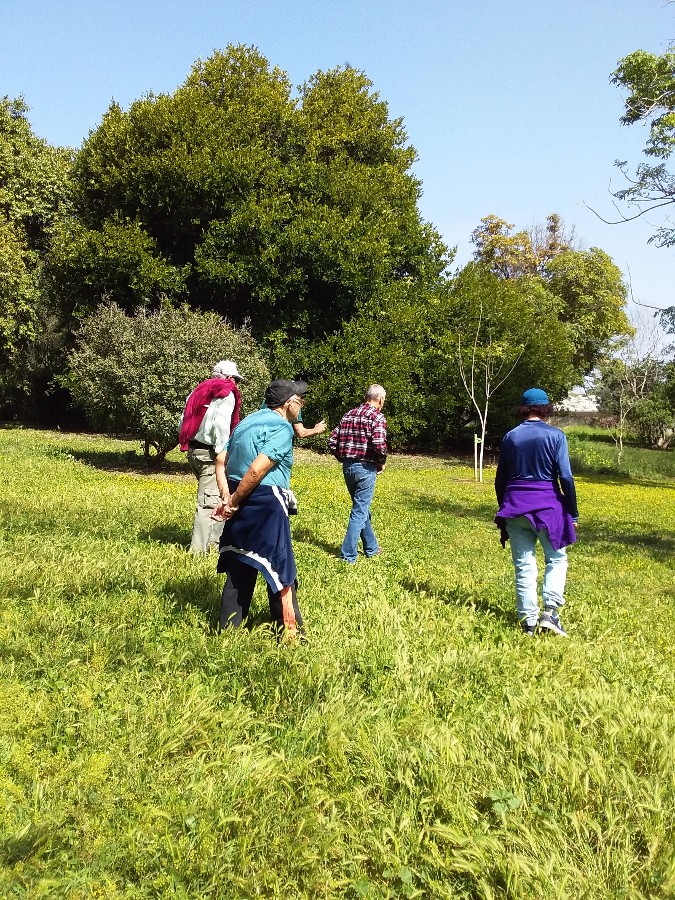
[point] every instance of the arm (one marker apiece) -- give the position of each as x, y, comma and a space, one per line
222, 421
502, 476
221, 476
566, 478
333, 442
500, 482
303, 432
378, 440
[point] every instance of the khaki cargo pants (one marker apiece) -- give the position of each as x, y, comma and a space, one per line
205, 532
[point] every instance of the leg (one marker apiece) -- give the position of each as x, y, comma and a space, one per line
368, 538
237, 593
360, 480
523, 540
555, 574
284, 609
205, 532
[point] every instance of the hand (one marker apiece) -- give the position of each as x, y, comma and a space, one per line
229, 511
225, 510
320, 427
232, 506
218, 514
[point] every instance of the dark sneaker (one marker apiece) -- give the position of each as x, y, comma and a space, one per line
550, 622
528, 630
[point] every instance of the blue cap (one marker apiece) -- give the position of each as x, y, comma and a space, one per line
534, 397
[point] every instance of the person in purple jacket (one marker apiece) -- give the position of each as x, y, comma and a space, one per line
537, 501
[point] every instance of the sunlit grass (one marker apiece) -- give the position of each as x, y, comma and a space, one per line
594, 451
416, 745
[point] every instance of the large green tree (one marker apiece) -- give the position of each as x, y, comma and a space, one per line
286, 212
410, 339
504, 327
650, 81
386, 342
591, 297
34, 184
586, 287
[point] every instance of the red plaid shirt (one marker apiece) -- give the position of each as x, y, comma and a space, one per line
361, 434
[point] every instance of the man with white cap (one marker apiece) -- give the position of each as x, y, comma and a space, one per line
211, 412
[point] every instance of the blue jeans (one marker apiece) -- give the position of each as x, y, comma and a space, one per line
360, 480
523, 538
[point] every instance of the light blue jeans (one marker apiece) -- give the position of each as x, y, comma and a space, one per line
523, 538
360, 479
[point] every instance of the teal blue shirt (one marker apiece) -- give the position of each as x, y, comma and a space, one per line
265, 432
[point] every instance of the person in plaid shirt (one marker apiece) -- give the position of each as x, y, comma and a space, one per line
360, 443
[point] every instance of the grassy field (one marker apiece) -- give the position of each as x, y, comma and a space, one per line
416, 746
594, 451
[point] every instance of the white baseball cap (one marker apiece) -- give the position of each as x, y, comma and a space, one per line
227, 368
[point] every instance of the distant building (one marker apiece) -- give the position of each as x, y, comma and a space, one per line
580, 408
577, 401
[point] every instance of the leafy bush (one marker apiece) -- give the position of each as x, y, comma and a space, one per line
653, 421
132, 374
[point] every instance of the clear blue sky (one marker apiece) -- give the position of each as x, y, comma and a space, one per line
508, 104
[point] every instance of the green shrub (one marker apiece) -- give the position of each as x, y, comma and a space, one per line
132, 374
653, 421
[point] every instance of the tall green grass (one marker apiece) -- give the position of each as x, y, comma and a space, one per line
593, 451
416, 746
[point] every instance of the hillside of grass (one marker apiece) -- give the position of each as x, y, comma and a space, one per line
417, 745
594, 451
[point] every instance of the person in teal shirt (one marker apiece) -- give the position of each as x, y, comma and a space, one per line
300, 429
254, 476
263, 432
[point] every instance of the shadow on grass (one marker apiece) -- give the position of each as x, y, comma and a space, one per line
306, 536
203, 593
659, 545
128, 461
168, 534
594, 437
28, 842
454, 596
199, 591
613, 477
485, 511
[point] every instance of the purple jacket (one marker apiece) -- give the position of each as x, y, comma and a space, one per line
542, 503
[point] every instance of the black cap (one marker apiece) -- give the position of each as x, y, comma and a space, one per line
280, 391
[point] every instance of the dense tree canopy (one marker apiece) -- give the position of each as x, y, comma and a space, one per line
293, 214
33, 192
410, 340
284, 212
516, 319
587, 288
591, 297
650, 81
510, 255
